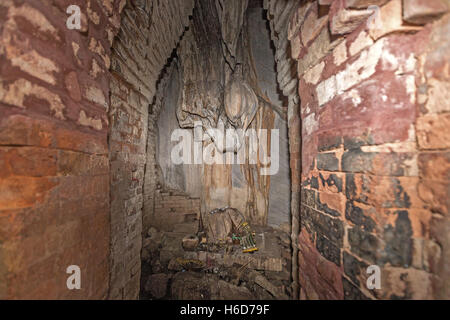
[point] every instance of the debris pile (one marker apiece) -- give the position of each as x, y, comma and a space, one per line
225, 259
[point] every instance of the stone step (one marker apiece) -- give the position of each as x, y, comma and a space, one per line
166, 221
257, 262
186, 227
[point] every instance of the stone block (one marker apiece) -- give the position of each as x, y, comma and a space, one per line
190, 242
347, 20
390, 19
297, 19
438, 99
156, 285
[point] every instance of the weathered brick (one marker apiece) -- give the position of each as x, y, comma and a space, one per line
346, 20
364, 3
351, 292
328, 141
22, 192
435, 165
390, 19
385, 192
27, 161
355, 214
355, 142
331, 182
331, 203
306, 218
364, 244
327, 161
432, 131
332, 228
421, 12
398, 247
76, 163
435, 195
355, 160
312, 25
328, 249
308, 197
354, 268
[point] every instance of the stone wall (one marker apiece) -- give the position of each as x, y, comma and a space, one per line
374, 110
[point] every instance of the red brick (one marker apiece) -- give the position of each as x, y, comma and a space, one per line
21, 192
80, 141
435, 195
423, 11
435, 166
22, 130
383, 192
25, 161
80, 164
72, 85
432, 131
332, 203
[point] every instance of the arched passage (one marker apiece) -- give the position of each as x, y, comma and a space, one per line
148, 34
366, 85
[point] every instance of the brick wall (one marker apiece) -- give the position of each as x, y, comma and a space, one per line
149, 32
68, 141
54, 170
173, 207
279, 14
374, 148
374, 125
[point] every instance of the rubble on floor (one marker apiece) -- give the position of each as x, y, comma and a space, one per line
181, 264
